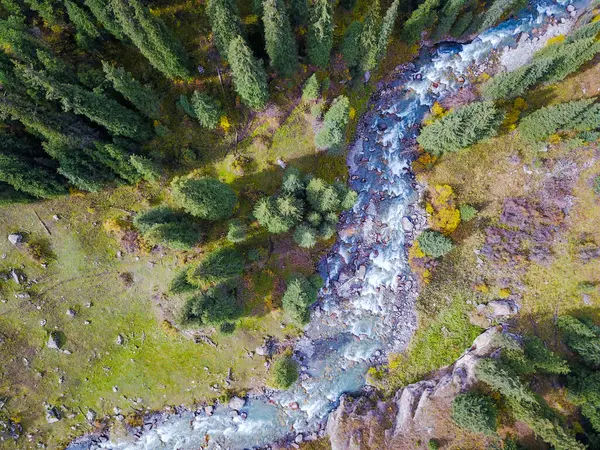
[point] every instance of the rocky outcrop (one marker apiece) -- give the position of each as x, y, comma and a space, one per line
368, 424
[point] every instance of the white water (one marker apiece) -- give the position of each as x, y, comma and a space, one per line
357, 322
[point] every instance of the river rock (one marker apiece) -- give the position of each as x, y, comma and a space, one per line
407, 225
209, 410
502, 308
15, 238
236, 403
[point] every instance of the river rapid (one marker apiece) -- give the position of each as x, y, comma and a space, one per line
366, 309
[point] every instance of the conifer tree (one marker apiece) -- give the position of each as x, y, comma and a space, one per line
331, 136
45, 9
225, 23
369, 38
387, 28
206, 197
17, 42
104, 13
320, 33
143, 98
97, 107
248, 74
462, 24
498, 9
461, 128
447, 17
86, 30
299, 12
206, 109
310, 91
420, 20
351, 48
27, 176
151, 37
279, 39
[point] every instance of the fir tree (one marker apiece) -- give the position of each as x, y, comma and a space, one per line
387, 28
225, 23
45, 9
331, 136
447, 17
461, 128
82, 21
100, 109
104, 13
320, 33
546, 121
206, 109
299, 12
279, 39
219, 266
151, 37
206, 197
310, 91
248, 74
28, 176
369, 38
145, 167
420, 20
300, 293
212, 307
498, 10
143, 98
351, 48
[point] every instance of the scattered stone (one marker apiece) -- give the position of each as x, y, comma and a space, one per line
407, 225
261, 351
52, 414
119, 254
15, 276
71, 312
120, 340
15, 238
54, 341
209, 410
90, 415
361, 272
86, 322
55, 217
570, 8
43, 322
299, 439
23, 295
115, 389
502, 308
281, 163
236, 403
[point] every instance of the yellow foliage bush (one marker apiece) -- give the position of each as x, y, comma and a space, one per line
444, 215
225, 124
504, 293
168, 328
514, 113
554, 139
482, 288
556, 40
415, 251
115, 226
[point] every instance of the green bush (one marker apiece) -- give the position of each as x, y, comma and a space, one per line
283, 372
219, 266
299, 295
227, 328
434, 243
475, 412
165, 226
237, 232
461, 128
467, 212
212, 307
597, 185
433, 445
206, 197
180, 284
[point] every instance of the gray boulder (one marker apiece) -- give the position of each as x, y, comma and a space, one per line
236, 403
502, 308
15, 238
54, 341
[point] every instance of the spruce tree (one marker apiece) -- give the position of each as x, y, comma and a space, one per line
420, 20
369, 38
143, 98
461, 128
27, 176
45, 9
387, 28
151, 37
299, 12
96, 106
248, 74
331, 136
79, 17
279, 39
320, 33
225, 23
206, 197
311, 88
206, 109
104, 13
351, 48
447, 17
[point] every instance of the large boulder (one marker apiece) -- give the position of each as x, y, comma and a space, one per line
237, 403
15, 238
502, 308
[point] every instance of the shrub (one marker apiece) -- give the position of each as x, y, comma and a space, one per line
433, 445
461, 128
310, 91
299, 295
434, 243
180, 284
305, 236
237, 231
467, 212
331, 135
284, 372
217, 267
213, 307
227, 328
206, 197
475, 412
163, 225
